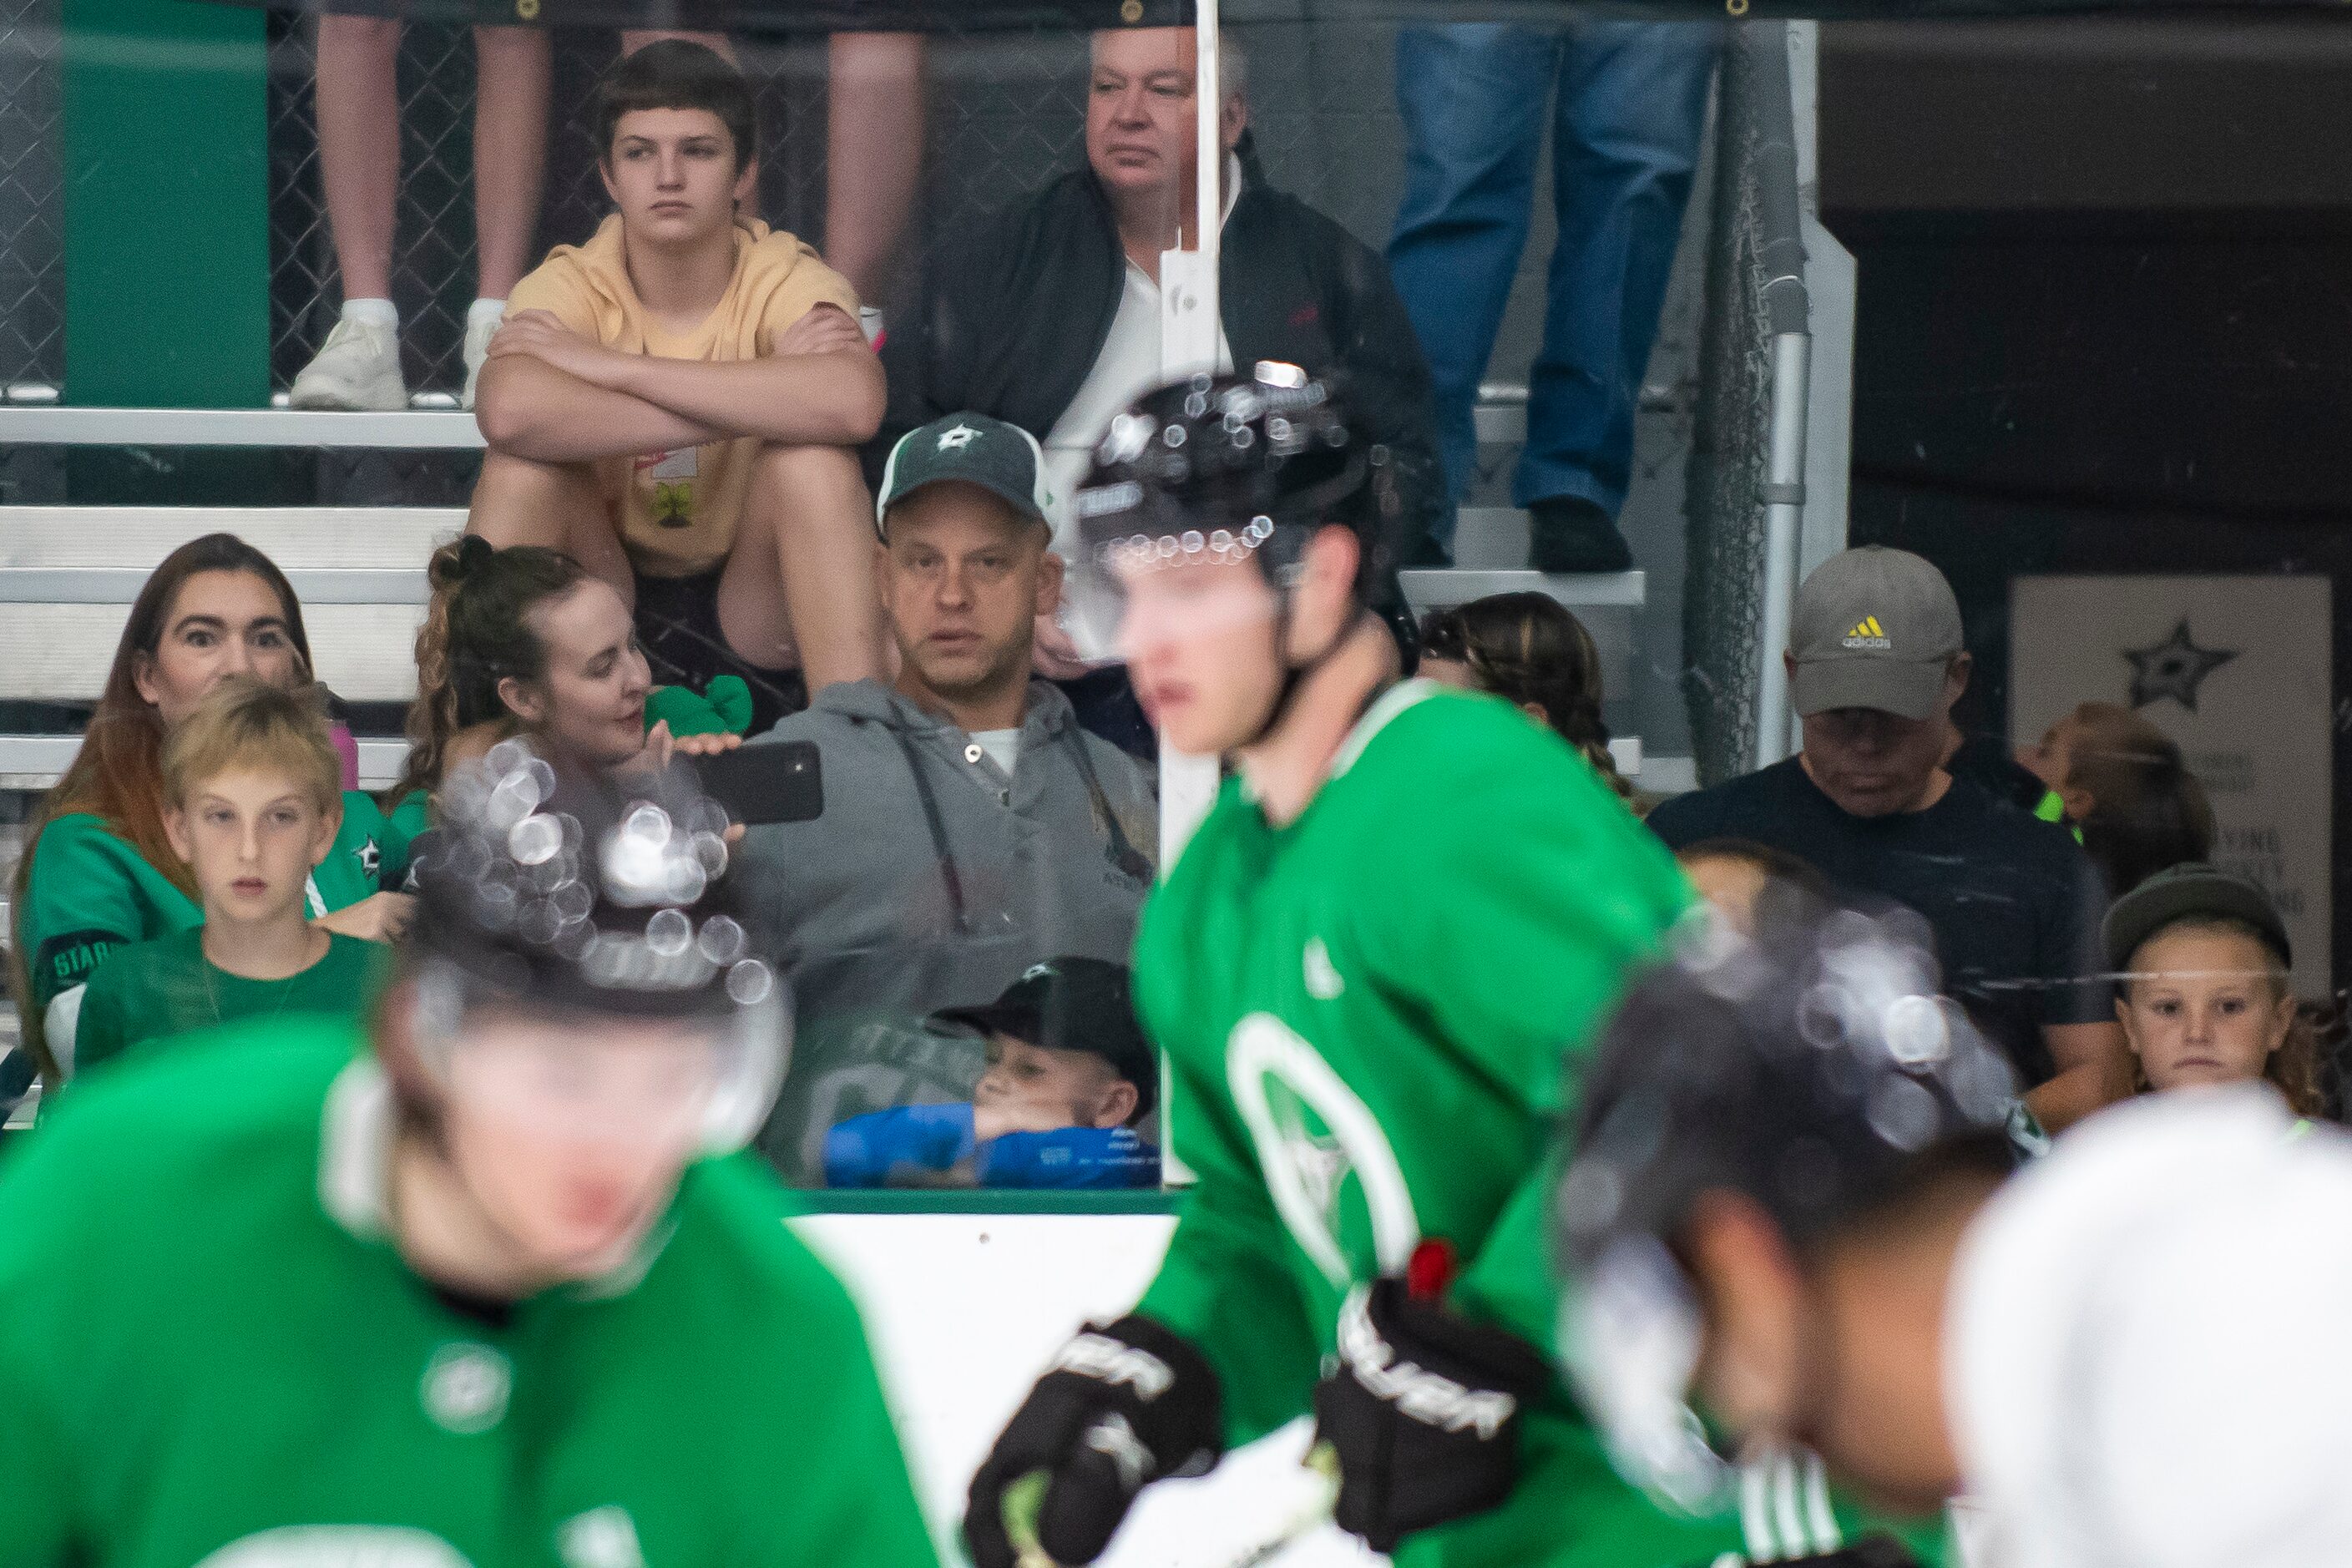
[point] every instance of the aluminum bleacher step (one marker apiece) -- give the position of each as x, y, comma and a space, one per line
410, 429
68, 577
1431, 588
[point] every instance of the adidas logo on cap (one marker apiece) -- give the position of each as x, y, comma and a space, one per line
1867, 633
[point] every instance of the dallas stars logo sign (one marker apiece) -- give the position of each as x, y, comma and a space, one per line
2174, 668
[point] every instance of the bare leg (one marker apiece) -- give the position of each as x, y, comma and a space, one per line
513, 68
562, 506
874, 153
802, 572
359, 146
636, 38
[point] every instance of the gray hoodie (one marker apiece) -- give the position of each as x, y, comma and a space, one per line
932, 880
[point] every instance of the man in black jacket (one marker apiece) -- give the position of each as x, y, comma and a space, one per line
1047, 316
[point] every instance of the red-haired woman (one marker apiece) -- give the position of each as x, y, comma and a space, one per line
97, 871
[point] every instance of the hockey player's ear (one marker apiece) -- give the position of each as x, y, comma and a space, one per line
175, 829
1752, 1295
1324, 602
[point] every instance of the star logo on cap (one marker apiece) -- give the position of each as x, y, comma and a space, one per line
958, 438
2174, 668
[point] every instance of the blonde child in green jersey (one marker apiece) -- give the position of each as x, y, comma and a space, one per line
253, 802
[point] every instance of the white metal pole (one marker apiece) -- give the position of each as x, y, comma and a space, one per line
1188, 341
1209, 201
1784, 516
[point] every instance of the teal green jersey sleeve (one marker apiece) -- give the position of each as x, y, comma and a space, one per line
1226, 1283
1515, 926
1514, 929
89, 892
102, 1029
408, 818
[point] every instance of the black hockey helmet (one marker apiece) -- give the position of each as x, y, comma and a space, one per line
1232, 467
572, 891
1807, 1068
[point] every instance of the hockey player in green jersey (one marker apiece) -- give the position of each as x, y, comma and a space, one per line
481, 1285
1405, 902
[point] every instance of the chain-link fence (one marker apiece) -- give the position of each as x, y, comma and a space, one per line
1731, 447
32, 222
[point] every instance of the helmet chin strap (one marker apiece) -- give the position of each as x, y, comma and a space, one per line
1295, 675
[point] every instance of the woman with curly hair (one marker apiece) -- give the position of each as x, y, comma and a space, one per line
525, 640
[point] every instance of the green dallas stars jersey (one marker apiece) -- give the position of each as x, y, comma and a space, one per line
1365, 1014
212, 1356
89, 892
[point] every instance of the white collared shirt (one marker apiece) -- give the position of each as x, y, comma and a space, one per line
1128, 366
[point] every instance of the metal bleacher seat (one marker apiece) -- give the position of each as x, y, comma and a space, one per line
1490, 554
69, 574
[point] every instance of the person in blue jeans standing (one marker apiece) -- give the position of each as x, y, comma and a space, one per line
1626, 102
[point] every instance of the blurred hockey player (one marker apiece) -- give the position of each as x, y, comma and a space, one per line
477, 1282
1405, 902
1790, 1211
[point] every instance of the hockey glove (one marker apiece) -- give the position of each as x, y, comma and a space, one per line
1121, 1407
1422, 1407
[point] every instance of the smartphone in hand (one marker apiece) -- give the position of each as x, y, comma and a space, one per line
767, 784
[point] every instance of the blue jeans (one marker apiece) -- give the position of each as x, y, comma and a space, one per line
1626, 102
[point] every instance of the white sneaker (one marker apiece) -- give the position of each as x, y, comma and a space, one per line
359, 368
479, 331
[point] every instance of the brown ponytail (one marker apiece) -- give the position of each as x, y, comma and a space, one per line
1528, 649
476, 632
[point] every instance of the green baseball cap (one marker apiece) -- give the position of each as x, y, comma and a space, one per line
1873, 628
1003, 460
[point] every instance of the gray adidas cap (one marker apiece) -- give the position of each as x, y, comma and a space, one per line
1873, 628
1000, 458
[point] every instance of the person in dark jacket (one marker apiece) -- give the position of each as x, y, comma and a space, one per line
1047, 315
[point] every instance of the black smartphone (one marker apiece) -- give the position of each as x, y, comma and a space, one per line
759, 785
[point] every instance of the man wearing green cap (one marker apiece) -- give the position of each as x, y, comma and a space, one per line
970, 827
1875, 663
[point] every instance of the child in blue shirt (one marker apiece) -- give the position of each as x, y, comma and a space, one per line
1069, 1077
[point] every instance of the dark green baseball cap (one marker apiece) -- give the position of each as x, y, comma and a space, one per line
1003, 460
2191, 889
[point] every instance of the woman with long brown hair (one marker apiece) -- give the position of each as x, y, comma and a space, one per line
1530, 650
98, 870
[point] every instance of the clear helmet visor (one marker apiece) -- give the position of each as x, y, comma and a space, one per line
1164, 579
1632, 1336
704, 1080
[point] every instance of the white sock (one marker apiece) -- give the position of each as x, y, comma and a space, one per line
376, 313
482, 311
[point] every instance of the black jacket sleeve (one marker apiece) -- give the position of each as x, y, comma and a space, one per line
1298, 287
1008, 318
1390, 381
